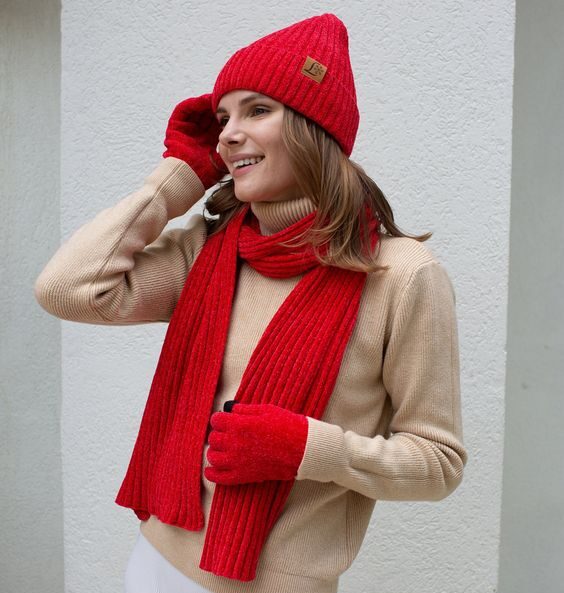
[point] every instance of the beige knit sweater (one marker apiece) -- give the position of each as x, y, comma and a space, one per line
392, 429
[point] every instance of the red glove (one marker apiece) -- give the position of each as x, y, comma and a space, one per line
254, 443
192, 135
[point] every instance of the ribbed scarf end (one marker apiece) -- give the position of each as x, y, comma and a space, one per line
234, 573
240, 520
193, 519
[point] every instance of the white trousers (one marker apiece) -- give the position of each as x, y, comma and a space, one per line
149, 572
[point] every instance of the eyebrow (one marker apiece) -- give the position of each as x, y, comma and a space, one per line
244, 101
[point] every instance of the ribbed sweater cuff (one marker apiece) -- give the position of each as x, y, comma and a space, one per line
324, 448
183, 186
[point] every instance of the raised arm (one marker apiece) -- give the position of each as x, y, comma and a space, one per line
120, 268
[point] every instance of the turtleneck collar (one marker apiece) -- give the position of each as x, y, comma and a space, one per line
276, 216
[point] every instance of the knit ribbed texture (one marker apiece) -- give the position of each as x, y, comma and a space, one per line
392, 429
276, 65
276, 216
294, 365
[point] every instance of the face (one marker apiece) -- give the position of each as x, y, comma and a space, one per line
251, 123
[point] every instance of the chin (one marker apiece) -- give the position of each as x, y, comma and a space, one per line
252, 198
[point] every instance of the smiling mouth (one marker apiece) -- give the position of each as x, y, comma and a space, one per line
238, 170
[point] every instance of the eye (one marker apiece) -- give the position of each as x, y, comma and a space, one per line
253, 110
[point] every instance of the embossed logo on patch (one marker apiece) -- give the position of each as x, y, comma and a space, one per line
314, 69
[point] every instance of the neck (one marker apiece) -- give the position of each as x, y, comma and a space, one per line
273, 217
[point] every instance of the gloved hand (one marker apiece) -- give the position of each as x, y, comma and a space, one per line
254, 443
192, 135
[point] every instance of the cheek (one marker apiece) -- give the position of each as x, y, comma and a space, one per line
283, 169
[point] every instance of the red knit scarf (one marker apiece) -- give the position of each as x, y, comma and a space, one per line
294, 365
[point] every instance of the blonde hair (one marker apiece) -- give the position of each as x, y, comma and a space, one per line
339, 188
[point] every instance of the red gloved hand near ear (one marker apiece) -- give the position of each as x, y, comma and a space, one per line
254, 443
192, 134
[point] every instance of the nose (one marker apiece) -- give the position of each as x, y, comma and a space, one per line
231, 133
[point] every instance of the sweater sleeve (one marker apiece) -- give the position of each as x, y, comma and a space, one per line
423, 458
120, 268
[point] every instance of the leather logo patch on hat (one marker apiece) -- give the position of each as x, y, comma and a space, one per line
314, 69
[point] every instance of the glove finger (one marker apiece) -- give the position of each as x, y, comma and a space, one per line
211, 474
220, 420
249, 409
220, 477
195, 119
219, 459
218, 441
183, 127
193, 108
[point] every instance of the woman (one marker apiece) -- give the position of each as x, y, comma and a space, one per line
310, 365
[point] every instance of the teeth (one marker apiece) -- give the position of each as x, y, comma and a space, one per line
253, 161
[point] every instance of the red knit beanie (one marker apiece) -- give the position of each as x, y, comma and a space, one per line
307, 67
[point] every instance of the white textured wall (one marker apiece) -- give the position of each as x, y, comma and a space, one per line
31, 510
532, 541
434, 82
